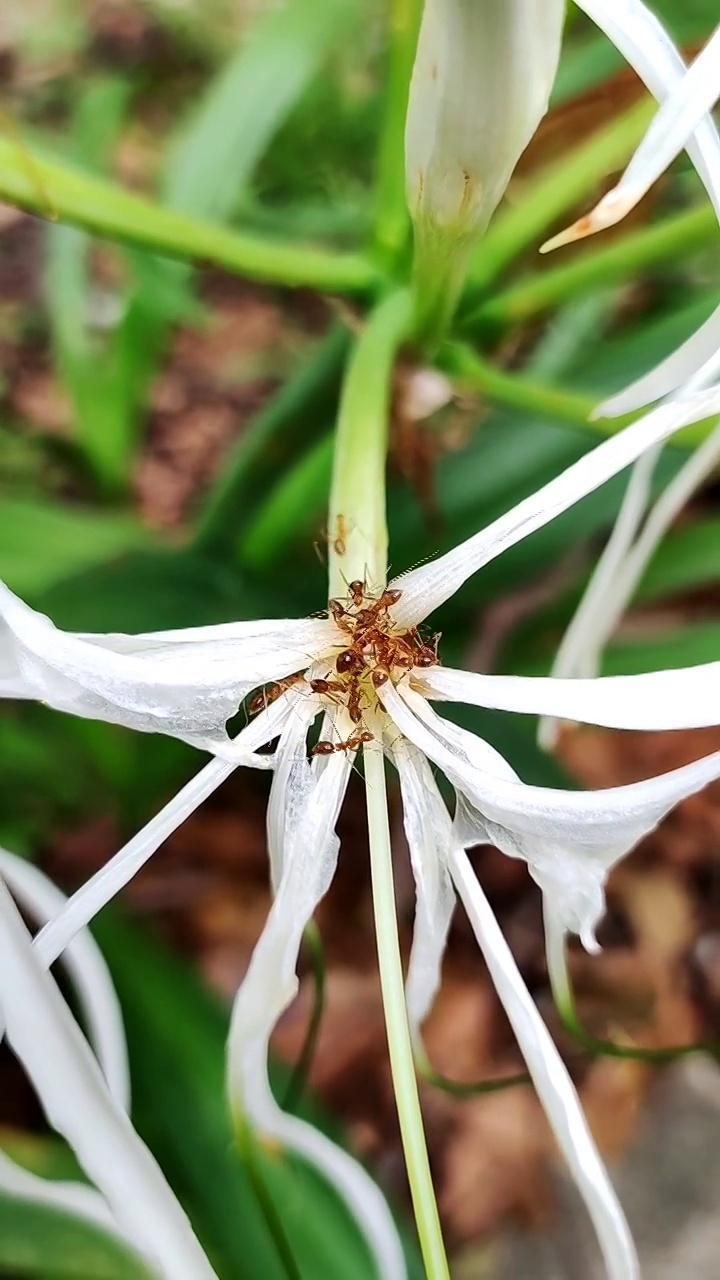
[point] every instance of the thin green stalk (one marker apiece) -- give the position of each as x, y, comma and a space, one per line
357, 520
392, 221
398, 1031
597, 268
301, 1071
247, 1144
564, 999
546, 196
572, 407
107, 209
294, 505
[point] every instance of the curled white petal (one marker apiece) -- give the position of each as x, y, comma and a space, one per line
430, 585
682, 121
696, 356
428, 831
186, 684
569, 839
86, 967
684, 698
48, 1042
552, 1082
312, 795
480, 86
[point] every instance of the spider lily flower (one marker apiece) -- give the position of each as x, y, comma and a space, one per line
86, 1098
368, 675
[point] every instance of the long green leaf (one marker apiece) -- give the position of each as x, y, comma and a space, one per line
38, 1242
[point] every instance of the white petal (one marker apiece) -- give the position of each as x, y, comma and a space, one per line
685, 698
101, 888
613, 585
49, 1044
73, 1198
552, 1082
87, 969
697, 354
184, 683
642, 39
480, 86
569, 839
428, 830
313, 795
430, 585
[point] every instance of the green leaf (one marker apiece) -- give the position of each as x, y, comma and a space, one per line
677, 647
109, 210
42, 542
688, 558
38, 1242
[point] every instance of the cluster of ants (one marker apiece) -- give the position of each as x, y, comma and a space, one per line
373, 648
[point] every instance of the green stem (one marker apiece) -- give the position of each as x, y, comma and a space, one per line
398, 1031
392, 222
357, 519
544, 198
247, 1144
597, 268
107, 209
301, 1071
572, 407
565, 1003
294, 506
304, 406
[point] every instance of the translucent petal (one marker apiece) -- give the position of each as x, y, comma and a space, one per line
87, 969
480, 86
552, 1082
313, 794
430, 585
428, 830
684, 698
69, 1084
569, 839
101, 888
182, 683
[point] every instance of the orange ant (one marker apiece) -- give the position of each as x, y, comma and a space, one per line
325, 748
327, 686
271, 692
341, 532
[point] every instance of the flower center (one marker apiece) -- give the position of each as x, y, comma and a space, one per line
377, 650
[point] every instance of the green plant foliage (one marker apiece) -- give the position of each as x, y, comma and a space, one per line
38, 1242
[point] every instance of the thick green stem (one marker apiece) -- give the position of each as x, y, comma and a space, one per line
392, 222
32, 181
357, 518
598, 267
572, 407
398, 1031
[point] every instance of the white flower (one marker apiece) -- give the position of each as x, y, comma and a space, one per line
371, 677
86, 1100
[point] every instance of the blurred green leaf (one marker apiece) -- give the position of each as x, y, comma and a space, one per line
38, 1242
688, 558
44, 541
684, 646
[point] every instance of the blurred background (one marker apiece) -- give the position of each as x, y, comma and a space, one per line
165, 445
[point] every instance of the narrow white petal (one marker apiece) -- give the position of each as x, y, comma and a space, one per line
569, 839
684, 698
648, 48
582, 644
180, 683
86, 967
313, 795
428, 831
699, 352
48, 1042
430, 585
552, 1082
73, 1198
610, 592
